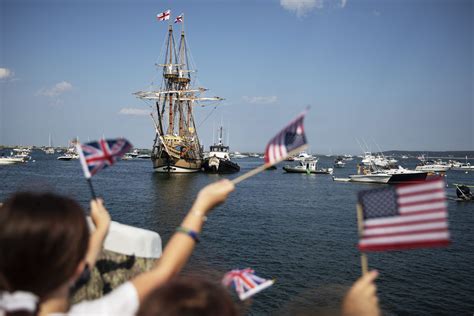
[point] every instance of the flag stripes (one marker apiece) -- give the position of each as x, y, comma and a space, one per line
407, 216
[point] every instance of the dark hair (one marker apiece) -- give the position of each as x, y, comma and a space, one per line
188, 297
43, 238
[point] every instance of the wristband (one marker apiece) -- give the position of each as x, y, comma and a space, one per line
191, 233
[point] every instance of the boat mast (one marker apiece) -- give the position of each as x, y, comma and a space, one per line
169, 74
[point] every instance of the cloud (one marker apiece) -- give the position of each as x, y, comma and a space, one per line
6, 73
134, 111
261, 99
301, 7
56, 90
343, 4
377, 13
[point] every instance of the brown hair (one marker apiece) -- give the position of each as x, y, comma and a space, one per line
188, 297
43, 238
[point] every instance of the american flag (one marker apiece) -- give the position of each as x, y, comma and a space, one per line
245, 282
290, 138
405, 216
96, 156
163, 16
179, 18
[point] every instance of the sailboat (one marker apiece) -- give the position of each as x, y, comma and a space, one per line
50, 149
176, 147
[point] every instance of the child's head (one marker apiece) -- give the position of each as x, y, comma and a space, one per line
43, 242
188, 297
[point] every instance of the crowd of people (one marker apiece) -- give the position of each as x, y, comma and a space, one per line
47, 248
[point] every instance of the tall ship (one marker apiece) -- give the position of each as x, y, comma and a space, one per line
176, 147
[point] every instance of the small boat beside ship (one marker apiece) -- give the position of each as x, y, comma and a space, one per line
218, 159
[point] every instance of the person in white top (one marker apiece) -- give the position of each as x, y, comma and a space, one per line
45, 246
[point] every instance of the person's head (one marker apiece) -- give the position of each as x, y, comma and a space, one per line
188, 297
43, 243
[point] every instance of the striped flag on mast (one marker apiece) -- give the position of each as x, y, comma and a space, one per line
245, 282
163, 16
291, 138
404, 217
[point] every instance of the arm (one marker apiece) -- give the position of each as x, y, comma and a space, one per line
179, 248
101, 219
362, 297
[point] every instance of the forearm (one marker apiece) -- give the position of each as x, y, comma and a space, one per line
96, 243
175, 255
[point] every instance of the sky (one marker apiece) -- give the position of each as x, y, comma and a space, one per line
387, 75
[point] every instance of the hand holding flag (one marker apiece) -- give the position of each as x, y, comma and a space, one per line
403, 217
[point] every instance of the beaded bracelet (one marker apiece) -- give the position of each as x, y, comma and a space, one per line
191, 233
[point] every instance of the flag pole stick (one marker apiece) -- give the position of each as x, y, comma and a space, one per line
261, 168
94, 197
364, 262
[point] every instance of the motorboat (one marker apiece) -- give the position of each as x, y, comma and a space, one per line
459, 166
402, 175
374, 177
218, 160
68, 156
308, 166
432, 166
339, 162
303, 156
11, 160
144, 156
238, 155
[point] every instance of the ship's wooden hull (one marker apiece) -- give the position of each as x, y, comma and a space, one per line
165, 165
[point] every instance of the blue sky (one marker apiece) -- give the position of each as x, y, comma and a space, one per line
394, 73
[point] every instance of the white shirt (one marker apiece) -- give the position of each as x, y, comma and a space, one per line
123, 301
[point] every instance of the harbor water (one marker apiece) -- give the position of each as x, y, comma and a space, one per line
296, 228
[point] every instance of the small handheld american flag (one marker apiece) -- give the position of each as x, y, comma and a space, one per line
289, 139
245, 282
97, 155
405, 216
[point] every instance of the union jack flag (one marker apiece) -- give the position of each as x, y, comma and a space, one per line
245, 282
291, 138
163, 16
96, 156
179, 18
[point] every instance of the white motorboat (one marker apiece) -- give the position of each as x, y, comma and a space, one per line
459, 166
339, 162
308, 166
144, 156
432, 166
238, 155
371, 178
11, 160
302, 156
68, 156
